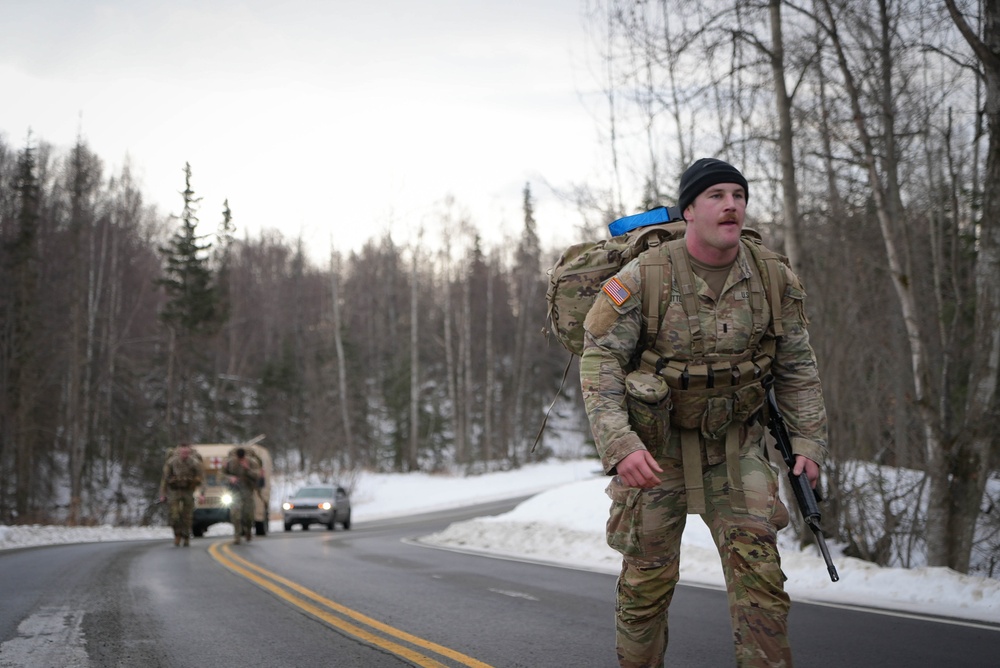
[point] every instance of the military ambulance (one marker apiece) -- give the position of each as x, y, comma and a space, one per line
214, 498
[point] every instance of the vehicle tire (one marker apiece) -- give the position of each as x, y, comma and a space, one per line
347, 522
305, 526
197, 531
260, 528
329, 525
288, 527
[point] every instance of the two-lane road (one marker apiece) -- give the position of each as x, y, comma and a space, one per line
370, 597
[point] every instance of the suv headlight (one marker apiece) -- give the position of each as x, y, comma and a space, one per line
227, 499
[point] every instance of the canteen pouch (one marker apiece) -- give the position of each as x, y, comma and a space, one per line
647, 398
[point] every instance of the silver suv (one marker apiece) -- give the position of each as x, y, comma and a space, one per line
317, 504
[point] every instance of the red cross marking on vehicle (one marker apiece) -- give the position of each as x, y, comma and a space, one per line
216, 462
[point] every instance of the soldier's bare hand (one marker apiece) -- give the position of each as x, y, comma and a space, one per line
639, 469
811, 468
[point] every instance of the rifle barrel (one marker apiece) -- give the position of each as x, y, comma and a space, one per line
803, 491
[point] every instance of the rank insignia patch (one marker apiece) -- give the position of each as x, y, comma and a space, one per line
618, 292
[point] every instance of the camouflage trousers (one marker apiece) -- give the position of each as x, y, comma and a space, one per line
645, 526
241, 513
181, 511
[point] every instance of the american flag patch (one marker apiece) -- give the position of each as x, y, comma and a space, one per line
616, 291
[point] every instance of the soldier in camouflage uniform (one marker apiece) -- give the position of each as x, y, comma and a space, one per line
680, 429
181, 477
244, 472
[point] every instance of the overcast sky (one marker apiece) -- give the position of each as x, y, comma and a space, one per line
333, 120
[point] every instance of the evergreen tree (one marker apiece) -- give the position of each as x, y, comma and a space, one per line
192, 314
222, 254
192, 298
528, 291
19, 336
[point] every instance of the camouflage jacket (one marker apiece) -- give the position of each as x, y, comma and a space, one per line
246, 477
612, 333
180, 474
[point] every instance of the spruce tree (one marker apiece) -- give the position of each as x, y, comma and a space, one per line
20, 365
192, 314
192, 306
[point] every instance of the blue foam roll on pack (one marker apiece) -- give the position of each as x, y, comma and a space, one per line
661, 214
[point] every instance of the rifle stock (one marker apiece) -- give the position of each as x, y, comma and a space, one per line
805, 496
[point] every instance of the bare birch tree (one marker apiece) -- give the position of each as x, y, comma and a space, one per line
338, 343
976, 452
412, 461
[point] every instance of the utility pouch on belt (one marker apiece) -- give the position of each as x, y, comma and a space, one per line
647, 397
711, 401
178, 482
712, 411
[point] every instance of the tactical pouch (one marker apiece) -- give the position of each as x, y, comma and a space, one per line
647, 398
711, 411
748, 400
178, 482
689, 406
717, 417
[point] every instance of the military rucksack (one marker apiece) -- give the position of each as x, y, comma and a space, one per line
578, 276
582, 270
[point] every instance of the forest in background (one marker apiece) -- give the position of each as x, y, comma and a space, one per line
869, 132
127, 331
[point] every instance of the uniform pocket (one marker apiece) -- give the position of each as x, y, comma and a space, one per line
647, 398
624, 528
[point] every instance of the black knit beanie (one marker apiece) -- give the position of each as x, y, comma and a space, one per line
704, 173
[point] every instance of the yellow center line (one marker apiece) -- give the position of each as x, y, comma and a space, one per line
222, 552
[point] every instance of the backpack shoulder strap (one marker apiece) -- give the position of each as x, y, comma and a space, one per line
689, 294
654, 272
657, 267
661, 260
773, 275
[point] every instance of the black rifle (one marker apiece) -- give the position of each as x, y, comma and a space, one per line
806, 497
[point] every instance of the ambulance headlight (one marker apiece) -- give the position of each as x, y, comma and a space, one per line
227, 499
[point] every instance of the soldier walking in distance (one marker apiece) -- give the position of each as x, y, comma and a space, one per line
243, 472
181, 477
677, 421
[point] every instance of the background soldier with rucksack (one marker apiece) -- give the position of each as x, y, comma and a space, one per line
678, 349
182, 475
243, 472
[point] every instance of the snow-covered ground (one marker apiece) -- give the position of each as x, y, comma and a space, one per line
564, 523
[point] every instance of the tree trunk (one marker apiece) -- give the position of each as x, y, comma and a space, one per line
463, 443
783, 105
412, 455
488, 391
450, 365
338, 342
976, 447
888, 208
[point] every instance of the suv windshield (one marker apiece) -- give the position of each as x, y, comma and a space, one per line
313, 492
